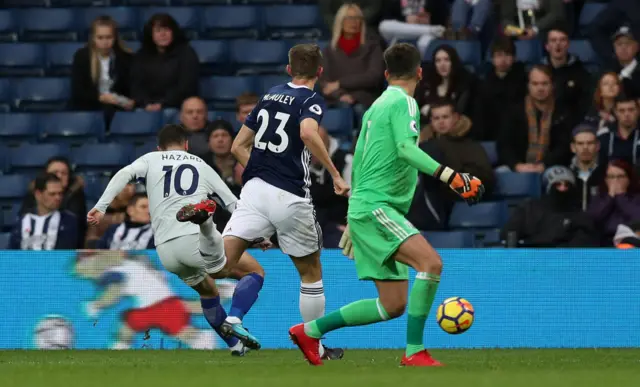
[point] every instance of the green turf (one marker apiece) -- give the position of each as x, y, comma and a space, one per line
465, 368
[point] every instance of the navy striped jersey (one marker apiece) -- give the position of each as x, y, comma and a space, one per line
279, 157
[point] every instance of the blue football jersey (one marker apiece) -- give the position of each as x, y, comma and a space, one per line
279, 157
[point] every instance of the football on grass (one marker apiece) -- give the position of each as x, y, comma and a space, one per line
455, 315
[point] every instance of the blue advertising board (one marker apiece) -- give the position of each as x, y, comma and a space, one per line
523, 298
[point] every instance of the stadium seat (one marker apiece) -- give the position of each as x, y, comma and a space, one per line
12, 188
83, 3
220, 92
4, 240
135, 126
133, 45
266, 82
6, 94
213, 55
512, 185
292, 21
148, 2
24, 3
9, 214
101, 157
94, 184
231, 22
8, 26
259, 57
19, 127
145, 147
292, 42
583, 50
469, 51
449, 239
41, 94
480, 216
488, 238
170, 116
229, 116
59, 57
48, 24
588, 14
125, 17
188, 18
491, 149
21, 59
30, 158
338, 122
73, 128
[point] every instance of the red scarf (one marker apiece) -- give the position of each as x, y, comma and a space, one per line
349, 45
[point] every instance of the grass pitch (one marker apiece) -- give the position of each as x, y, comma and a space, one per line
465, 368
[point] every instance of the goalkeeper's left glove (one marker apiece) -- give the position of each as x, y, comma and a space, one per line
345, 243
468, 187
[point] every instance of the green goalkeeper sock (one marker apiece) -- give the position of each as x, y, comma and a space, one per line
361, 312
421, 298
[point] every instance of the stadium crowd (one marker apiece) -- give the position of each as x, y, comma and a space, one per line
537, 98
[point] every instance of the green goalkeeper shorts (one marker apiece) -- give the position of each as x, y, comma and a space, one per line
376, 236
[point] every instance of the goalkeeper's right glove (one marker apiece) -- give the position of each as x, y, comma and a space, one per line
345, 243
468, 187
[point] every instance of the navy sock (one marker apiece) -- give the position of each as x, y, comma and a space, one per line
215, 315
245, 295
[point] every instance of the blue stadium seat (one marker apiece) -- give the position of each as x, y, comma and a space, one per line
6, 94
148, 2
449, 239
491, 149
469, 51
135, 126
12, 188
292, 21
94, 184
512, 185
125, 17
101, 157
228, 116
145, 147
41, 94
220, 92
60, 57
24, 3
30, 158
19, 127
480, 216
73, 128
213, 55
83, 3
583, 50
259, 57
201, 2
9, 214
488, 238
187, 17
266, 82
588, 14
48, 24
170, 116
4, 240
338, 122
133, 45
21, 59
321, 43
235, 21
528, 51
8, 26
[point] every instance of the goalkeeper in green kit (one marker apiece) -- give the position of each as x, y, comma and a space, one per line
383, 242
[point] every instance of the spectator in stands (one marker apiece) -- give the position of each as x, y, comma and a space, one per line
504, 84
371, 11
571, 80
622, 141
617, 13
73, 197
193, 117
529, 19
417, 24
555, 219
165, 69
602, 113
589, 173
626, 66
116, 214
331, 210
446, 77
627, 237
219, 155
135, 232
244, 105
618, 201
353, 64
536, 134
101, 69
46, 226
468, 17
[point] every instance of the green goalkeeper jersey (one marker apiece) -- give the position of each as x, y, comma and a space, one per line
379, 176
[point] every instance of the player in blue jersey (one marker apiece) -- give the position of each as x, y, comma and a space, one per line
275, 146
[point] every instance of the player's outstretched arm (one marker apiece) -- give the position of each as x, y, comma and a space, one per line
311, 138
242, 144
468, 187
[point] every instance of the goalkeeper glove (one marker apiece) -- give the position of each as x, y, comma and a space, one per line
468, 187
345, 243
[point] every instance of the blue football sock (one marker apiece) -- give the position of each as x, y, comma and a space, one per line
245, 295
215, 315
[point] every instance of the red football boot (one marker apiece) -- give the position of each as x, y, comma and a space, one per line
309, 346
420, 359
197, 213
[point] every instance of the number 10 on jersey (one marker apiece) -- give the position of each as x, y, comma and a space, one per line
177, 180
